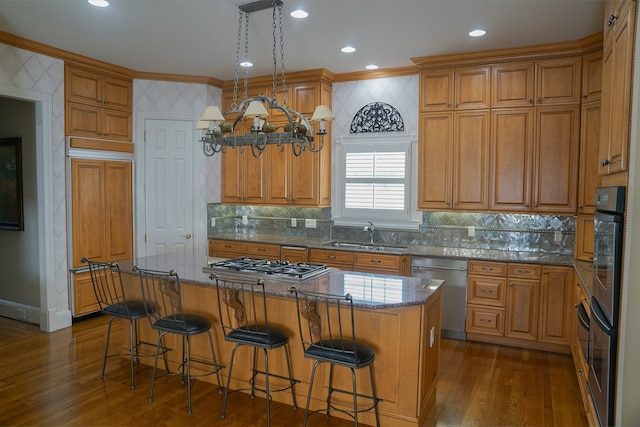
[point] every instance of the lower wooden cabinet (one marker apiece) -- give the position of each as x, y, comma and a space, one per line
336, 259
524, 305
84, 298
234, 249
294, 253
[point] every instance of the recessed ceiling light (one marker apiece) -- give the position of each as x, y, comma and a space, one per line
371, 67
348, 49
299, 13
477, 33
99, 3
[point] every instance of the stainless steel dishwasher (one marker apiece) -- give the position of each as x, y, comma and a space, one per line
454, 291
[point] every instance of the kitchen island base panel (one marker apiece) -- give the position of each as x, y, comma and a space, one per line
406, 341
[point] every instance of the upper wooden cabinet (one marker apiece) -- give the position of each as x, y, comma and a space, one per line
460, 89
98, 105
513, 85
592, 77
617, 62
453, 160
589, 179
558, 81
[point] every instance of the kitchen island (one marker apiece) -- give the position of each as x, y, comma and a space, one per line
399, 317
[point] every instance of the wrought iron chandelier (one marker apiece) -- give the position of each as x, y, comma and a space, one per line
297, 131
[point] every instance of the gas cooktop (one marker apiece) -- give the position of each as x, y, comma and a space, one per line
258, 266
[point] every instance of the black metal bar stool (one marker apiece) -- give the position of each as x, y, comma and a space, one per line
162, 292
244, 320
327, 330
107, 285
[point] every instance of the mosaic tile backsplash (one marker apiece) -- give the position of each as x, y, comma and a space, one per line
515, 232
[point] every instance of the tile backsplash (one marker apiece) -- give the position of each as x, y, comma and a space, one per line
515, 232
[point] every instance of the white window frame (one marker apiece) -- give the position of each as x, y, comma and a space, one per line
409, 218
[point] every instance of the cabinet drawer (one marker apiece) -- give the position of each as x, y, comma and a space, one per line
294, 254
485, 320
487, 290
262, 250
224, 248
325, 256
365, 259
488, 268
524, 271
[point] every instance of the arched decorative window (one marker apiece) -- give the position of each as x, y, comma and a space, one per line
377, 117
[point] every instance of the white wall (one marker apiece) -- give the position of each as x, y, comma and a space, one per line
40, 79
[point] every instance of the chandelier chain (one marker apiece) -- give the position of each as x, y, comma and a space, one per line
234, 103
284, 78
246, 53
275, 65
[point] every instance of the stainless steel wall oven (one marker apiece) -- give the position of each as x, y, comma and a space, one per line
605, 299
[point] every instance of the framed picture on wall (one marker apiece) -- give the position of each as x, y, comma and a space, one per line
11, 212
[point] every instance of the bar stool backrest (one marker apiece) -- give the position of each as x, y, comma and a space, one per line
107, 284
327, 326
162, 294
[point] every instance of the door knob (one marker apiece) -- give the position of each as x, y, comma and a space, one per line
187, 236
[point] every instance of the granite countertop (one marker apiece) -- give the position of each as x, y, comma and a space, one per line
368, 290
412, 250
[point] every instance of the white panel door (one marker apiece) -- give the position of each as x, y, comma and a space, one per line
169, 199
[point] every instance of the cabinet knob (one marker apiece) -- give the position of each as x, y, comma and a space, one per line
539, 100
604, 162
449, 104
530, 100
612, 20
457, 104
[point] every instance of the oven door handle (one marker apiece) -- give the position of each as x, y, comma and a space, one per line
600, 318
583, 316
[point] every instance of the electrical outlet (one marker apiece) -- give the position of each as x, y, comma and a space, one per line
245, 220
557, 236
294, 222
212, 222
471, 231
310, 223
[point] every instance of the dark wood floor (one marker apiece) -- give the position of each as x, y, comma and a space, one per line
54, 380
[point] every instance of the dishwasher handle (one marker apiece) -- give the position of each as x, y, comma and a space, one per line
437, 267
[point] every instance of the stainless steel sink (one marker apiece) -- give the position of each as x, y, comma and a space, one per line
365, 247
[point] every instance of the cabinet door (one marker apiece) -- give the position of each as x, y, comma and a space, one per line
558, 81
472, 88
584, 237
83, 86
118, 210
434, 162
253, 178
555, 185
556, 305
262, 250
279, 182
592, 76
305, 179
88, 211
338, 259
83, 120
116, 125
231, 168
84, 297
511, 151
436, 90
589, 145
117, 94
513, 85
616, 95
305, 98
522, 309
470, 161
294, 254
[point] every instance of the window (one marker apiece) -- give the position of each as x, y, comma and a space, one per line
375, 179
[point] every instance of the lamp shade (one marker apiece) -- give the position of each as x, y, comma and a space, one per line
256, 108
202, 125
322, 112
212, 114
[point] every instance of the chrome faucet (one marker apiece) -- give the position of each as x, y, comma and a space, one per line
371, 229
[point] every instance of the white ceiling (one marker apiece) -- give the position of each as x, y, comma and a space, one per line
198, 37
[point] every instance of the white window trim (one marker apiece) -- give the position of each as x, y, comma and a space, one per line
406, 141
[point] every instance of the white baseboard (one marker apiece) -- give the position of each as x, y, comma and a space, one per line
22, 312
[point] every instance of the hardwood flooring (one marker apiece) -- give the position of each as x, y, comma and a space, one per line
53, 379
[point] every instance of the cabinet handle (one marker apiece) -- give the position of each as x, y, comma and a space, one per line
487, 291
261, 249
524, 271
604, 162
331, 256
457, 104
510, 284
487, 268
449, 104
485, 320
539, 100
612, 20
377, 261
591, 258
530, 100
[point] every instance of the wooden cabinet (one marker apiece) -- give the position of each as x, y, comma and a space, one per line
584, 237
453, 160
513, 85
380, 263
522, 301
460, 89
279, 177
98, 105
556, 305
337, 259
617, 63
589, 145
558, 81
516, 304
226, 248
101, 220
294, 253
556, 149
262, 250
592, 77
